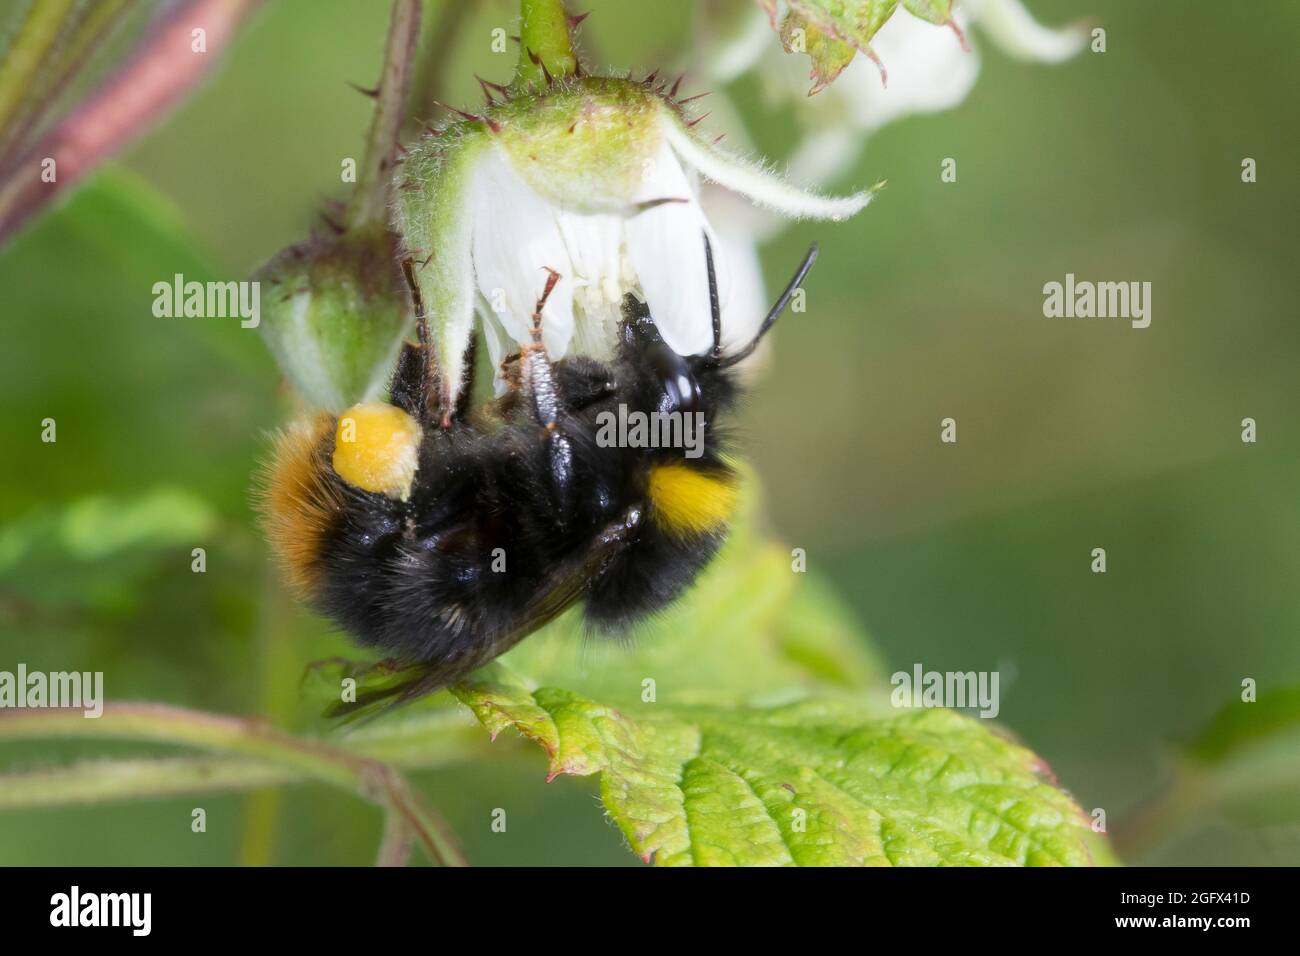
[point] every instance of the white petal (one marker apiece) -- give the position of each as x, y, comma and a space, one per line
499, 343
595, 248
759, 185
665, 244
732, 221
1013, 29
928, 72
516, 238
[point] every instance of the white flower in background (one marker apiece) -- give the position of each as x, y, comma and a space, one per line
598, 179
928, 70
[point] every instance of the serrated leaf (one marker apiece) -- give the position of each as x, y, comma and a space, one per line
935, 11
829, 55
826, 780
750, 724
831, 32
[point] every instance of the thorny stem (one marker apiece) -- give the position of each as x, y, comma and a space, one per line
133, 99
546, 48
369, 201
372, 779
435, 56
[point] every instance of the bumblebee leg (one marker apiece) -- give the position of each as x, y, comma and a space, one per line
414, 387
409, 387
543, 397
467, 392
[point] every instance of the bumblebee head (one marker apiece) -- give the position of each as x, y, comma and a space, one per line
670, 382
681, 383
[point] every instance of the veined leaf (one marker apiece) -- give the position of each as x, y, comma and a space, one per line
830, 32
750, 724
822, 781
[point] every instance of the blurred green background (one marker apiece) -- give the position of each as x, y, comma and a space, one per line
1072, 435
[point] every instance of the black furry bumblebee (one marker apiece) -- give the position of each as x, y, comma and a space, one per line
445, 537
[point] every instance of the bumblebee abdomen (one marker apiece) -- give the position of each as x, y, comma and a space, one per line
301, 502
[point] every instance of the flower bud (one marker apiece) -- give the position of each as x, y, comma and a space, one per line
335, 314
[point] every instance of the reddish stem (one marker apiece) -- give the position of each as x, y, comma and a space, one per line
129, 103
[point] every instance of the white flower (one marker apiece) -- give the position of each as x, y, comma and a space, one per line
928, 71
597, 179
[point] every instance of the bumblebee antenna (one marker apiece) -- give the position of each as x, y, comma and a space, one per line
715, 310
776, 310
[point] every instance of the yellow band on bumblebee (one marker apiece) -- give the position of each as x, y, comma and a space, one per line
376, 448
690, 500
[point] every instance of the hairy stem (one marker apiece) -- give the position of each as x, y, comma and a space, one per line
277, 664
395, 847
369, 203
421, 743
545, 44
435, 56
372, 779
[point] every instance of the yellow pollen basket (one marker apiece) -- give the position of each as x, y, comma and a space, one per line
690, 501
376, 448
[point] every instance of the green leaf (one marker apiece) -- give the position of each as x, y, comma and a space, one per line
750, 724
936, 11
829, 55
100, 526
334, 310
827, 780
1246, 762
1243, 765
1240, 724
831, 32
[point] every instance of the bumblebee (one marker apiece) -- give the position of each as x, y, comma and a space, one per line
443, 537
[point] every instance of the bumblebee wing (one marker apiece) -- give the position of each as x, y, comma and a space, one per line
388, 684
